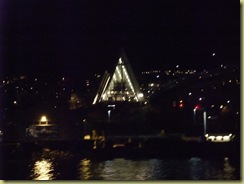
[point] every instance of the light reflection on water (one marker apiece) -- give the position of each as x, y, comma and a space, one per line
43, 170
156, 169
58, 165
228, 171
117, 169
85, 169
196, 168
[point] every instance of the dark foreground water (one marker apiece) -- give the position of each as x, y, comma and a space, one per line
62, 165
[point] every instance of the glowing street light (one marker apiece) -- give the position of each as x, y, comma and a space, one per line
109, 115
205, 122
194, 113
197, 107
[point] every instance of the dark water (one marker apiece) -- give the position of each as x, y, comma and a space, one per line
62, 165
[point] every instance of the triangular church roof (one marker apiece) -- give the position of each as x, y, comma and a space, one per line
121, 85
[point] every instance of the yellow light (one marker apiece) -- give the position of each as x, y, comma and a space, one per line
43, 119
85, 169
43, 170
87, 137
206, 135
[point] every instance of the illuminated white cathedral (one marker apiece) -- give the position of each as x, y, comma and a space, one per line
120, 86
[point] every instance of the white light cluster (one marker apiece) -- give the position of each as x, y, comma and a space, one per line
128, 79
219, 138
117, 69
43, 170
104, 95
120, 74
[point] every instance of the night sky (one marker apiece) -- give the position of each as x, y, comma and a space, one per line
82, 37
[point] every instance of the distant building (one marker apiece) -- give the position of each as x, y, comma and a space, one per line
121, 85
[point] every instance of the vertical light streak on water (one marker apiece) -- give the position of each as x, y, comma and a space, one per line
58, 166
195, 165
119, 169
43, 170
219, 170
85, 169
228, 170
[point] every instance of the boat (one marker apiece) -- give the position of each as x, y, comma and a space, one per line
43, 130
